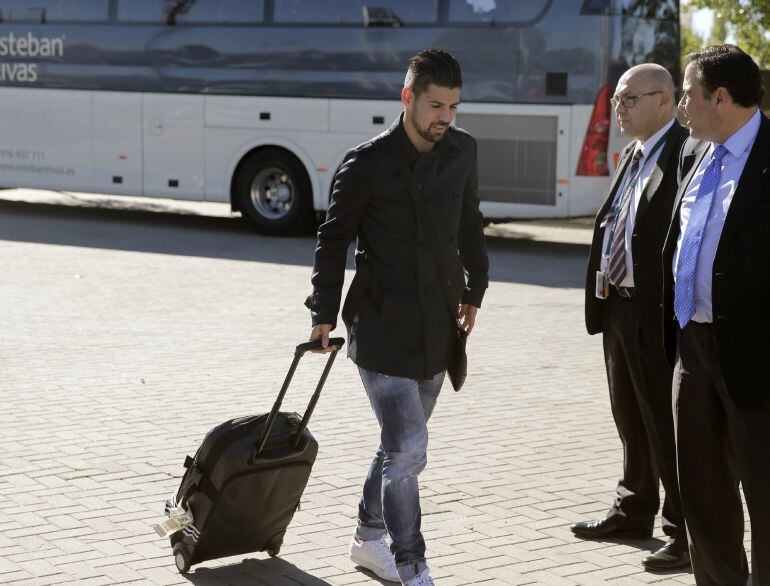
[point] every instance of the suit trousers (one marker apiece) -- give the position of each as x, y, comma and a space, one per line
639, 380
719, 446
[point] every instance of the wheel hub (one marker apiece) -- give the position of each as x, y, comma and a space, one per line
273, 193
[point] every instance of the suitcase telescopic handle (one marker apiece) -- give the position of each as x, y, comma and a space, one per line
316, 345
298, 353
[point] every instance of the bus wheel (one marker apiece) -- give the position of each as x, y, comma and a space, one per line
272, 191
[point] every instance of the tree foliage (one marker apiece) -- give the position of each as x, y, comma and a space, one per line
690, 40
748, 21
719, 32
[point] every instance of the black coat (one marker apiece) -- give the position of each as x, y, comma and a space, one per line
740, 290
650, 227
404, 327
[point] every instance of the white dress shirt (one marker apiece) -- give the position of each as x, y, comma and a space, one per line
646, 166
738, 148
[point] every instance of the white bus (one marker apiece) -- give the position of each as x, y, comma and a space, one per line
255, 102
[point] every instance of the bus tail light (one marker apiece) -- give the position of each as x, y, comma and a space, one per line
593, 155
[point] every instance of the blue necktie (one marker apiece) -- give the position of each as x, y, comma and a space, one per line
684, 292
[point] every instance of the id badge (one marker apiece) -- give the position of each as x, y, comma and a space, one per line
602, 285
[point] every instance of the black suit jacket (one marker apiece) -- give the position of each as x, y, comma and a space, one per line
740, 289
404, 326
650, 226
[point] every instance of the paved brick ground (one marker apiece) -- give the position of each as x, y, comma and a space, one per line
127, 334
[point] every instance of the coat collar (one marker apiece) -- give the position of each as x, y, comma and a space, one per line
692, 155
656, 176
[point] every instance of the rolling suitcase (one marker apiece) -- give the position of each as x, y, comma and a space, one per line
246, 479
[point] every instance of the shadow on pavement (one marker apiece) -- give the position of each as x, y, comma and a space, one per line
254, 571
535, 262
514, 260
374, 578
651, 545
147, 231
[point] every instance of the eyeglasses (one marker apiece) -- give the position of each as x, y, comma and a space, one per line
630, 101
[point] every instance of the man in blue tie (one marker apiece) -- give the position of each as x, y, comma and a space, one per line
717, 316
623, 302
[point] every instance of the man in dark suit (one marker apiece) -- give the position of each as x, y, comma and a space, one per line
623, 302
717, 307
399, 323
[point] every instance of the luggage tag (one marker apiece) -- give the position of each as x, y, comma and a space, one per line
178, 520
602, 285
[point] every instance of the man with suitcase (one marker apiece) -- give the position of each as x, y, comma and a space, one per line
401, 333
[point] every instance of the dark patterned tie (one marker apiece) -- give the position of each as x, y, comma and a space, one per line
617, 264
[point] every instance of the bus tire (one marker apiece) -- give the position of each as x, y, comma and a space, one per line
272, 191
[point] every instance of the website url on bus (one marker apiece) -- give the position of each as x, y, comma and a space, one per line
40, 169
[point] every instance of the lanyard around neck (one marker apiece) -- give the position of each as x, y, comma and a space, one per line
628, 190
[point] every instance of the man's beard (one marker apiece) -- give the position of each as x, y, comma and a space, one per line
427, 133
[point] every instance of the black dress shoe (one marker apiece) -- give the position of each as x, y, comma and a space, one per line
671, 556
612, 526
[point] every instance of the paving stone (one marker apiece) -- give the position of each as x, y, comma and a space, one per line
127, 335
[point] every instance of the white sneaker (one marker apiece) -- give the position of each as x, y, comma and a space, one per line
375, 556
422, 579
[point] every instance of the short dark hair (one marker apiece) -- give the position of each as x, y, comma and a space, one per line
729, 67
432, 66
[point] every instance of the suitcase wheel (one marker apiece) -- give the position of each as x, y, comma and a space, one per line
181, 559
274, 552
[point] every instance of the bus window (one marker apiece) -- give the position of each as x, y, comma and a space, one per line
145, 11
351, 12
657, 9
54, 11
223, 12
192, 12
508, 11
647, 9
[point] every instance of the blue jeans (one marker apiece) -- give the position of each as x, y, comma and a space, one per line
391, 497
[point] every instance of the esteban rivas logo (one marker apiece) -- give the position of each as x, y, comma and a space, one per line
15, 48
